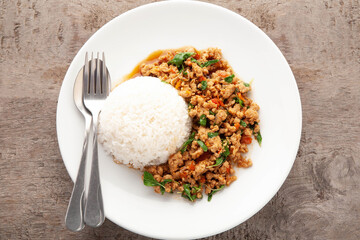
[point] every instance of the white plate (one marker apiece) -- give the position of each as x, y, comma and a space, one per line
128, 39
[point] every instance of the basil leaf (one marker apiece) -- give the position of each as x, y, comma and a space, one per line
187, 142
242, 123
205, 64
149, 180
202, 120
253, 126
212, 113
203, 85
202, 145
180, 58
187, 192
229, 79
197, 189
227, 152
213, 134
191, 106
246, 84
185, 73
195, 61
162, 188
224, 141
214, 191
208, 63
222, 158
259, 138
166, 181
218, 162
238, 100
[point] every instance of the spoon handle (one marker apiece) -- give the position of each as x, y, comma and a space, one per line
94, 208
74, 219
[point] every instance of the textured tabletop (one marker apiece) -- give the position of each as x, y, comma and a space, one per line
321, 41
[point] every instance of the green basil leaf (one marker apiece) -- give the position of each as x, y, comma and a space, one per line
195, 61
212, 113
162, 188
187, 192
180, 58
203, 85
197, 189
218, 162
242, 123
202, 120
166, 181
246, 84
229, 79
222, 158
191, 106
208, 63
259, 138
213, 134
149, 180
253, 126
214, 191
181, 69
187, 142
205, 64
238, 100
202, 145
226, 153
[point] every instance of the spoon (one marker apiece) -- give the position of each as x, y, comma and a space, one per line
74, 219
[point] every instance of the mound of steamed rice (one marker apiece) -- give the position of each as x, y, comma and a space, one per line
143, 122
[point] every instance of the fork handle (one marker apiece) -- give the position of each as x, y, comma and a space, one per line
94, 208
74, 219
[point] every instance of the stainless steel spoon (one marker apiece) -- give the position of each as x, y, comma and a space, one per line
74, 219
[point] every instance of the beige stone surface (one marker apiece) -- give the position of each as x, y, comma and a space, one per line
319, 38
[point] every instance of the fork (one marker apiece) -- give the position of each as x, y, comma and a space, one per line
96, 89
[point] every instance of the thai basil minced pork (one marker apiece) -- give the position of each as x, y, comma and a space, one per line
224, 121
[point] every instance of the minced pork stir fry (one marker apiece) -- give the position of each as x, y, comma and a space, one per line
224, 121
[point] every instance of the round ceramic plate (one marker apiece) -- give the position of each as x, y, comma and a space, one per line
128, 39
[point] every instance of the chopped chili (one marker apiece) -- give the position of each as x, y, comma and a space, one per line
246, 139
192, 166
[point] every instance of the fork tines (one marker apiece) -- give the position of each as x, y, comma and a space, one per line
95, 75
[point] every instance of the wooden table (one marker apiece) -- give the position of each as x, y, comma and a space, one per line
320, 39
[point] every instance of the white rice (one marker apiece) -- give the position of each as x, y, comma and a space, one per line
143, 122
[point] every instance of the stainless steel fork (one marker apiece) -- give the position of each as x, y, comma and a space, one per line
96, 89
